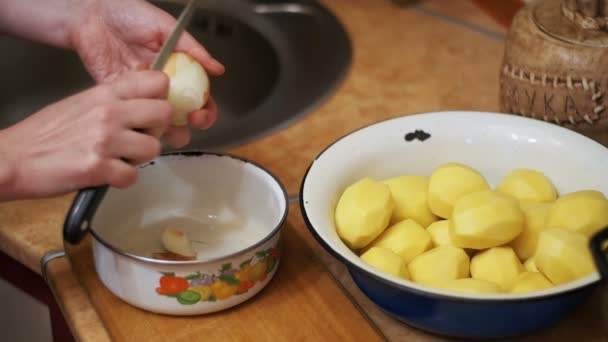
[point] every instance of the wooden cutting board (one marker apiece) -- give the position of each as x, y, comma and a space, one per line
302, 302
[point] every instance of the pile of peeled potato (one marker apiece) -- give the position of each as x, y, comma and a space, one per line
452, 231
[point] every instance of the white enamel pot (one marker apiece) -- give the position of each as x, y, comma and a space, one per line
232, 209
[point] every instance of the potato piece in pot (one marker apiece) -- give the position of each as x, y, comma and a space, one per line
177, 241
363, 212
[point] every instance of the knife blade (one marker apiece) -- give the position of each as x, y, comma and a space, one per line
181, 24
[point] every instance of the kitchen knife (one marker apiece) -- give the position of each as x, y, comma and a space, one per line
84, 206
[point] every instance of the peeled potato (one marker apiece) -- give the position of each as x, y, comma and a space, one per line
176, 241
448, 183
527, 185
470, 285
363, 212
530, 281
406, 238
530, 265
485, 219
188, 86
585, 212
563, 255
499, 265
535, 216
440, 233
386, 261
410, 198
436, 266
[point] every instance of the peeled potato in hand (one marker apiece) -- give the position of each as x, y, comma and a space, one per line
530, 281
363, 212
440, 233
563, 255
436, 266
188, 86
386, 261
499, 265
585, 212
527, 185
406, 238
470, 285
535, 216
410, 198
485, 219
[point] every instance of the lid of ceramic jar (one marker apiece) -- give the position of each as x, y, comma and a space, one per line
583, 22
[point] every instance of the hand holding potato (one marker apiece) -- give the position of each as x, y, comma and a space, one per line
88, 139
111, 37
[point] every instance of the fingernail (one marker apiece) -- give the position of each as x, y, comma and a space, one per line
217, 63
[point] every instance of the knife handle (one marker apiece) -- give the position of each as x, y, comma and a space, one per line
82, 210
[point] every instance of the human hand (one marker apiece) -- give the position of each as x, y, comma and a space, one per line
88, 139
115, 36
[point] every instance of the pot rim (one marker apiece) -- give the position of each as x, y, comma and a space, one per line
427, 291
196, 153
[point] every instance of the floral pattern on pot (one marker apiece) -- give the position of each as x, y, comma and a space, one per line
229, 281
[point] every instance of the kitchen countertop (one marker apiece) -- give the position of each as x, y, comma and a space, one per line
436, 55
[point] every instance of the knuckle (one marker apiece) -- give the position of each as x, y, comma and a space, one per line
125, 178
106, 92
153, 149
166, 112
105, 116
93, 169
101, 139
161, 78
163, 83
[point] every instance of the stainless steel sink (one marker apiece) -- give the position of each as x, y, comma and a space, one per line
282, 60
